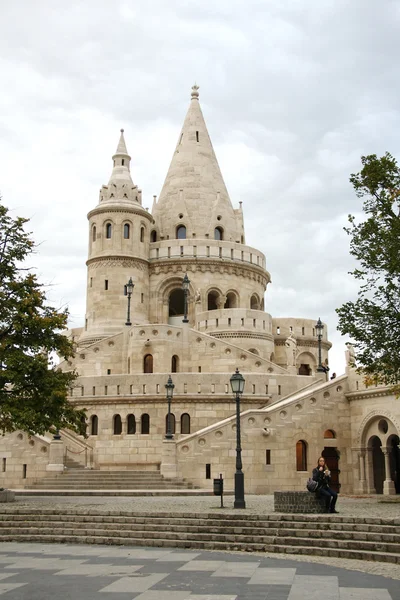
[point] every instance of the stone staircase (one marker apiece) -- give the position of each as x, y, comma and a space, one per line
74, 481
332, 536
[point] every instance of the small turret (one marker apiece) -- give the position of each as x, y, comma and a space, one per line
120, 187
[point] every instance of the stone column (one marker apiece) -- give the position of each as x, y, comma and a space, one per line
363, 481
56, 456
169, 468
388, 484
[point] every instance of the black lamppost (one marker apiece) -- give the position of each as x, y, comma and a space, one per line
185, 285
129, 289
237, 385
169, 386
319, 327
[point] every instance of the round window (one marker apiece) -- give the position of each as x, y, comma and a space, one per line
383, 426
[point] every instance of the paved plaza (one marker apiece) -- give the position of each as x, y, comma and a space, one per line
41, 572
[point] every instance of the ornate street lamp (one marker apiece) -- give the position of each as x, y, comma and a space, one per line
237, 384
319, 327
185, 285
129, 289
169, 386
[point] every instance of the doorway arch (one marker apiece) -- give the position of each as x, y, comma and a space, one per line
331, 456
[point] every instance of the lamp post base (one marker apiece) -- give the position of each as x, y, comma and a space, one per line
239, 491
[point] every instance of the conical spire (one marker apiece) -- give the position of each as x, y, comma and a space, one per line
121, 148
121, 162
194, 193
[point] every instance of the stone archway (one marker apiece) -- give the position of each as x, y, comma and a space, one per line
377, 463
379, 458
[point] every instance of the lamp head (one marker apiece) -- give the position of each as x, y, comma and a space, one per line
237, 382
129, 286
185, 282
169, 386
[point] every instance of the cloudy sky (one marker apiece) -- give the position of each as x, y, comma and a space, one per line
293, 93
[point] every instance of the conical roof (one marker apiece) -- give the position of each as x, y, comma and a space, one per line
194, 193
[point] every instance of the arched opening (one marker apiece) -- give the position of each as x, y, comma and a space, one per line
142, 234
378, 463
181, 232
117, 425
304, 369
329, 434
148, 363
153, 236
231, 300
301, 456
172, 422
212, 300
94, 233
185, 423
84, 425
254, 302
218, 233
127, 231
145, 424
331, 456
175, 364
176, 303
306, 363
131, 424
394, 457
94, 425
108, 231
254, 351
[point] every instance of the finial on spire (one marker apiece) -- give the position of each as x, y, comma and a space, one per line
195, 91
122, 130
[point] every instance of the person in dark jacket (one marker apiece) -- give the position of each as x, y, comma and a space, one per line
322, 476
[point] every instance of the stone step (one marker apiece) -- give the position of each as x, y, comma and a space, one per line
110, 486
237, 545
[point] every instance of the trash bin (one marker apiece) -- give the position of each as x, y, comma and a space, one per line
218, 487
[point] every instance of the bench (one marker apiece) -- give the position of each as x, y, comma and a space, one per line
298, 502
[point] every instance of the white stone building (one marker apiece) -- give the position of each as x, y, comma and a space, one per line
290, 412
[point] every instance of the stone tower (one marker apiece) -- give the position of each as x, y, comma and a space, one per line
119, 230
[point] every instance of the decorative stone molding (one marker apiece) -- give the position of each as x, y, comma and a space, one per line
133, 210
117, 261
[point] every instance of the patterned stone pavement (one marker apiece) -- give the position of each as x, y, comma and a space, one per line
44, 571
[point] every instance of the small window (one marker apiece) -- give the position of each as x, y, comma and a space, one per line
218, 233
91, 282
117, 425
278, 330
126, 231
301, 456
172, 423
185, 423
4, 468
94, 233
24, 469
268, 457
142, 234
94, 425
153, 236
106, 284
174, 364
329, 434
208, 471
197, 136
302, 331
279, 390
145, 424
181, 232
141, 298
108, 231
122, 161
131, 425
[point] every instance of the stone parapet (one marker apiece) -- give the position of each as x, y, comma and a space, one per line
298, 502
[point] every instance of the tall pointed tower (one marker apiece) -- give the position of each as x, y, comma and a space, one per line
194, 195
118, 250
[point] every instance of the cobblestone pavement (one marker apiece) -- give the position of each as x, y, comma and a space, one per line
347, 506
44, 571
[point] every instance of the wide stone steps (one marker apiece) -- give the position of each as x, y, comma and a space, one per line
346, 537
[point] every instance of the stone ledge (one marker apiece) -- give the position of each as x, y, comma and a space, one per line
298, 502
7, 496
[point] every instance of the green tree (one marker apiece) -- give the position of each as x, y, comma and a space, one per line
33, 391
373, 320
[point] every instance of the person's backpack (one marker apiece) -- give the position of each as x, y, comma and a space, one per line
312, 485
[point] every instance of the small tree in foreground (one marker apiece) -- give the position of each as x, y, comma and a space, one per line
373, 320
33, 393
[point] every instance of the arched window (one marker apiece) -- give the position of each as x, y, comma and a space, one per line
94, 425
231, 300
212, 301
148, 363
117, 425
176, 302
174, 364
108, 231
185, 423
172, 421
329, 434
301, 456
126, 231
94, 233
131, 425
153, 236
181, 232
254, 302
142, 234
218, 233
145, 424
